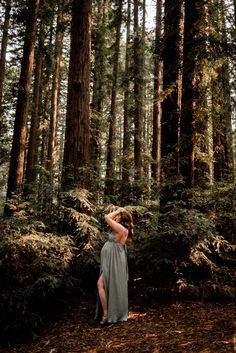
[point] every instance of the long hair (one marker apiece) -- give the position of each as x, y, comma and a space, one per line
127, 221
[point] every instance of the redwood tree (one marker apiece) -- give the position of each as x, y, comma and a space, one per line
221, 98
15, 178
55, 90
172, 85
32, 155
76, 149
194, 119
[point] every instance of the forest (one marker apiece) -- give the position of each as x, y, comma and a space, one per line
108, 103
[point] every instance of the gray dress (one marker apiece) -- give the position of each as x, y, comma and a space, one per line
114, 272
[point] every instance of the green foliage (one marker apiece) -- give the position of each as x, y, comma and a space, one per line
182, 254
79, 199
223, 200
4, 148
79, 217
75, 216
35, 269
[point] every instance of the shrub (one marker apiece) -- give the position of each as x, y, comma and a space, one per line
34, 272
178, 252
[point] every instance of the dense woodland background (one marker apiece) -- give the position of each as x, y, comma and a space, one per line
106, 103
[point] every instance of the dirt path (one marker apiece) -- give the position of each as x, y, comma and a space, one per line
177, 328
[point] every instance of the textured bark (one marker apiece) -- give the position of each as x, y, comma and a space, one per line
110, 169
15, 177
221, 104
156, 139
172, 85
194, 122
55, 91
76, 150
32, 155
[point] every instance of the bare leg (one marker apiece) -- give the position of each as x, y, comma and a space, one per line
103, 298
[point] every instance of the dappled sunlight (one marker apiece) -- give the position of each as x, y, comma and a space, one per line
135, 315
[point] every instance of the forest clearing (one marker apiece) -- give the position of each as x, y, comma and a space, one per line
166, 328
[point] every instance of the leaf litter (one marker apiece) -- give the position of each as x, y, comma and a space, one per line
190, 327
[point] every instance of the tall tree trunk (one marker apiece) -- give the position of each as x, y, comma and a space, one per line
138, 108
156, 138
55, 91
15, 178
110, 169
172, 85
221, 106
76, 150
99, 31
3, 56
32, 155
194, 122
126, 161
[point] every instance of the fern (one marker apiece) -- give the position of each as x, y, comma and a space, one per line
78, 199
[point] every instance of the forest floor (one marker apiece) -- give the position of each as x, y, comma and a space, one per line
164, 328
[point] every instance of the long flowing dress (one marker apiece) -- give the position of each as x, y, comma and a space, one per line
114, 272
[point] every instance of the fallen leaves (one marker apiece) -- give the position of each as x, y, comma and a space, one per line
170, 328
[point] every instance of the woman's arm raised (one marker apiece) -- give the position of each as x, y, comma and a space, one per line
110, 218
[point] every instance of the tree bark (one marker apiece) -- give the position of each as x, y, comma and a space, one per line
221, 105
33, 144
15, 178
76, 150
172, 85
194, 122
55, 91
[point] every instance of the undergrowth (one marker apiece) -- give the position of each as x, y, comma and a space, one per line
181, 253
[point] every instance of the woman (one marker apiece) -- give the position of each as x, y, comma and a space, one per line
113, 280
